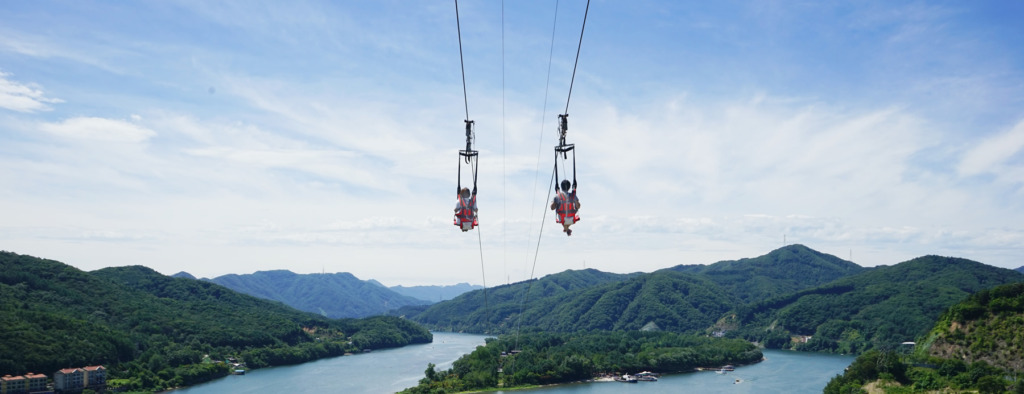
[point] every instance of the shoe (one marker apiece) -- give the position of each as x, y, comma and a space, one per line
568, 232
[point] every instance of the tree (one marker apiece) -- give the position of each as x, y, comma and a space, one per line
991, 385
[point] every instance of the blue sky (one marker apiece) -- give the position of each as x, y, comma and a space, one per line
232, 137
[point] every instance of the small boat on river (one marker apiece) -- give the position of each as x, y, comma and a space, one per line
626, 379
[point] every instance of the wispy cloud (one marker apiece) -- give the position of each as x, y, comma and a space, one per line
19, 97
98, 129
995, 154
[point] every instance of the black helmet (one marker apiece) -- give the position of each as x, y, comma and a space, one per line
565, 185
465, 192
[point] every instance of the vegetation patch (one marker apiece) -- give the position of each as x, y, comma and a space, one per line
531, 359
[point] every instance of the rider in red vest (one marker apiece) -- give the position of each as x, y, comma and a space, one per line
565, 205
465, 209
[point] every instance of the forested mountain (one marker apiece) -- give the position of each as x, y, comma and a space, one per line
839, 305
1020, 269
880, 307
669, 301
683, 298
782, 271
332, 295
151, 330
975, 346
435, 293
495, 309
183, 274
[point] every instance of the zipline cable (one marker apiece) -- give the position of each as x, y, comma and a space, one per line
465, 97
578, 47
462, 63
504, 194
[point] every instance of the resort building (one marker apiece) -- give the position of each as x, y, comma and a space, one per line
73, 379
69, 379
36, 382
13, 384
95, 375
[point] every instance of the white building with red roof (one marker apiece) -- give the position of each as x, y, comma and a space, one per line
36, 382
95, 375
13, 384
69, 379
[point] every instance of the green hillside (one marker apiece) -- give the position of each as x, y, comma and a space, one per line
988, 326
781, 272
975, 346
152, 331
335, 295
682, 299
881, 307
832, 304
669, 301
495, 309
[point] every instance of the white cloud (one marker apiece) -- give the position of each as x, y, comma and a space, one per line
23, 98
99, 129
991, 154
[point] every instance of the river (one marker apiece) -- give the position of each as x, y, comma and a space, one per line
391, 370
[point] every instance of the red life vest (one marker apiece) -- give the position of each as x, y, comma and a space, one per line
465, 213
566, 207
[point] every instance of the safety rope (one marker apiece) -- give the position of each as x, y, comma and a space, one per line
536, 252
480, 243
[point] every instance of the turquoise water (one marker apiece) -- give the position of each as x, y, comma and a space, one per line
388, 371
781, 372
380, 371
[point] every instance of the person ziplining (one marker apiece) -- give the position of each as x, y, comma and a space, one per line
566, 203
465, 207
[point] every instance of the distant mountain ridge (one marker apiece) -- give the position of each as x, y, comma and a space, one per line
335, 295
1020, 269
435, 293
